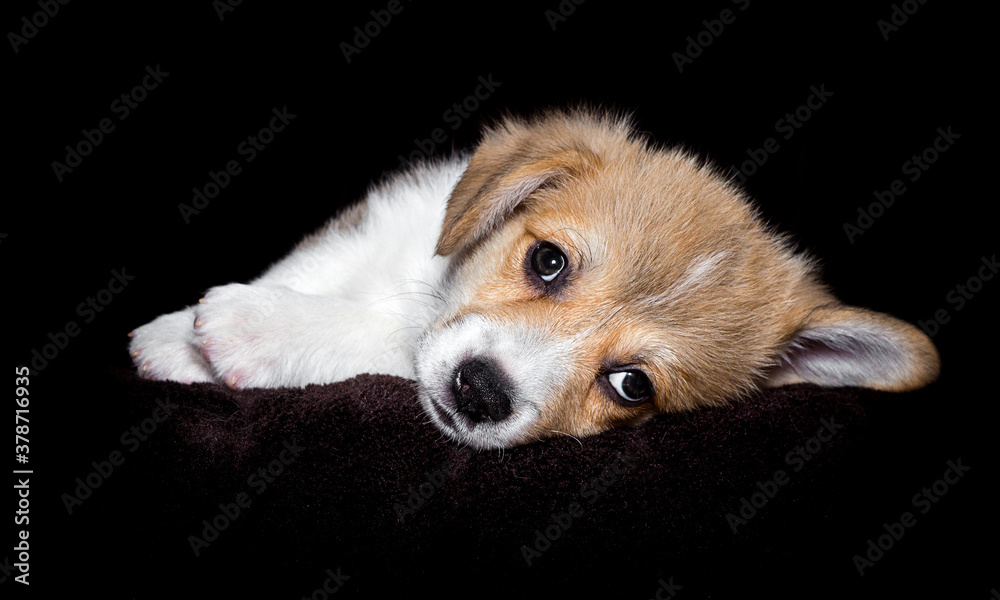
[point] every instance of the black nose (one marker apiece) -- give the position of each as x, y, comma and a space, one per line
481, 391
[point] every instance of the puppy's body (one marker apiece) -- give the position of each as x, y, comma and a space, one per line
581, 280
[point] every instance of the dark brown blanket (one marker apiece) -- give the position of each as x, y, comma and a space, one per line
347, 487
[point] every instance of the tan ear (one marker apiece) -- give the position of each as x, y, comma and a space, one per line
847, 346
507, 167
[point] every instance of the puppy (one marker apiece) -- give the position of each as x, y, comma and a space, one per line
566, 278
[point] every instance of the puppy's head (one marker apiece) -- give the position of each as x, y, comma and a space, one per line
596, 280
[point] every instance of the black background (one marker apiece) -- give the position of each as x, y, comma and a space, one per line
119, 209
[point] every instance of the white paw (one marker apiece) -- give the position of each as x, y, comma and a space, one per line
165, 348
238, 331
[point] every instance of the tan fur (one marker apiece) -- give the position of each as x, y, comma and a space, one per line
672, 271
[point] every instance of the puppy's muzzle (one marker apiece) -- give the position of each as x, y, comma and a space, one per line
481, 391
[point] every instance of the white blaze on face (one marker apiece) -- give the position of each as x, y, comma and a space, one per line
530, 359
701, 272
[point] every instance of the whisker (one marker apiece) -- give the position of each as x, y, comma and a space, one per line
566, 434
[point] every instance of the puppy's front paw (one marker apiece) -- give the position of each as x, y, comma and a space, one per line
165, 349
236, 333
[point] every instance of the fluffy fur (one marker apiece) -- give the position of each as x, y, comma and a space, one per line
668, 272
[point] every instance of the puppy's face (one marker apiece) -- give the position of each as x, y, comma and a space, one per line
596, 281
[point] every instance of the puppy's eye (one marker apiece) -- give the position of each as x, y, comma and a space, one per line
632, 386
547, 261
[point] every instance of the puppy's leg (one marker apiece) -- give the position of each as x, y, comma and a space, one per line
272, 336
165, 348
339, 271
351, 298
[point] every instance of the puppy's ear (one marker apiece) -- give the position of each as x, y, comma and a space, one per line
842, 345
508, 166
